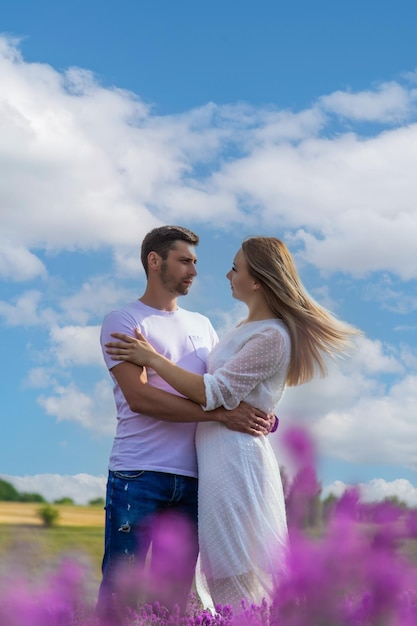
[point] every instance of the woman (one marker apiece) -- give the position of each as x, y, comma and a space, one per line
282, 341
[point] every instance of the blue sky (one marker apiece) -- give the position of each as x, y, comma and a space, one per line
234, 119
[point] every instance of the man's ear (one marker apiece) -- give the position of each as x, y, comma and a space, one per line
153, 260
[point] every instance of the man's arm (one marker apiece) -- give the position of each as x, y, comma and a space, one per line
162, 405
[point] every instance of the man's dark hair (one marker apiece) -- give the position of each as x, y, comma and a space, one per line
161, 240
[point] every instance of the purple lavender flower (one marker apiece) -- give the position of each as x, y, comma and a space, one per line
350, 571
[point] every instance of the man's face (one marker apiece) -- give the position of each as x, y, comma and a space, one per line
179, 269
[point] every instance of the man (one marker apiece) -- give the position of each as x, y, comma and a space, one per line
153, 468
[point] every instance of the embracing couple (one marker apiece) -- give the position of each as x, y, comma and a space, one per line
185, 399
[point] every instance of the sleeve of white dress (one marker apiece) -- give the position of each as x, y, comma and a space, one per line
259, 358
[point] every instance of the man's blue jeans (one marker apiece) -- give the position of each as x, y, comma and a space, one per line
137, 503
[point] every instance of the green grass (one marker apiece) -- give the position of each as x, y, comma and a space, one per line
35, 551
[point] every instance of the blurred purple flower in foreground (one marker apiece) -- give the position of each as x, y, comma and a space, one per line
56, 602
300, 447
352, 575
348, 567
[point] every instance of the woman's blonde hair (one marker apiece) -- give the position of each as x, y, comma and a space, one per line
314, 331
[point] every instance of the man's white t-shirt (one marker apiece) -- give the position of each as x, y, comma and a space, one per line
143, 442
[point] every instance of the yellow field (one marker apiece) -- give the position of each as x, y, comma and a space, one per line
25, 513
27, 546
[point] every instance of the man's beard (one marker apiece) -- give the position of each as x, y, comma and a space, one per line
179, 289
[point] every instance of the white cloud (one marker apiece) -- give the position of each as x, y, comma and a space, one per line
94, 411
409, 356
93, 300
388, 102
19, 264
65, 146
322, 295
393, 297
127, 261
376, 429
369, 235
371, 356
364, 411
84, 167
77, 345
349, 379
40, 377
285, 126
96, 297
85, 487
81, 487
25, 310
355, 199
377, 490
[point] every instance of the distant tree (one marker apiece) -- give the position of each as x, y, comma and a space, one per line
328, 506
49, 515
286, 483
395, 501
64, 500
8, 492
97, 502
314, 516
303, 500
31, 497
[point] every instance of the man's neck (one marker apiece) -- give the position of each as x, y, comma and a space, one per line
157, 300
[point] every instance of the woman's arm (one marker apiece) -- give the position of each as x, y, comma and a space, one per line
139, 351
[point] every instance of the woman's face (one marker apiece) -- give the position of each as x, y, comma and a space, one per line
241, 282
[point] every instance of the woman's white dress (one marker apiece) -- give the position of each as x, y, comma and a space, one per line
242, 521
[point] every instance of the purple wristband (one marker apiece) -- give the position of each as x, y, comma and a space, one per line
275, 426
